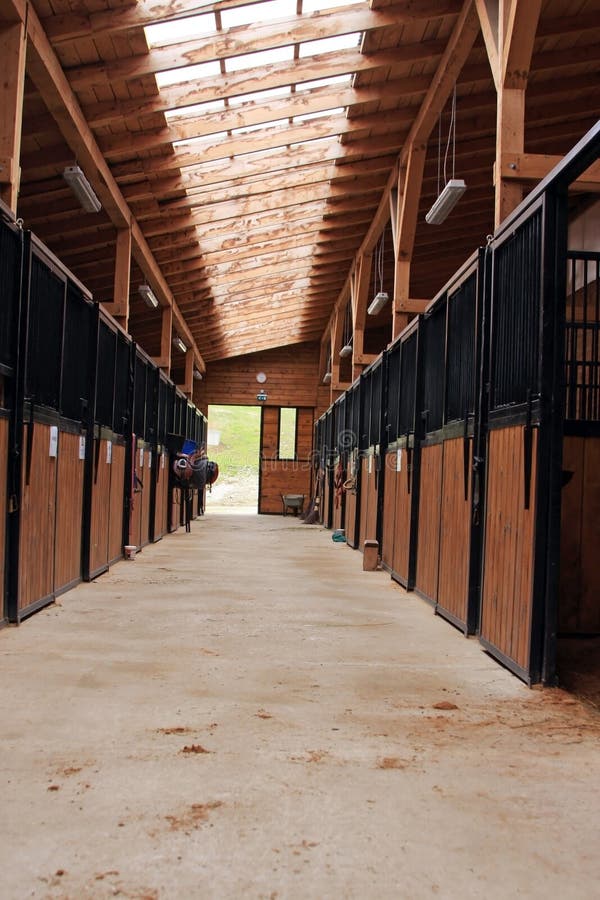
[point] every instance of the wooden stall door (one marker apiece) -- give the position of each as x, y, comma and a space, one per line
162, 493
389, 511
101, 494
117, 502
428, 543
135, 517
401, 541
455, 534
38, 510
579, 586
3, 508
351, 500
146, 476
507, 590
69, 506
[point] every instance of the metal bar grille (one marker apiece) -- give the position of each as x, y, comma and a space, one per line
433, 387
10, 266
393, 397
460, 351
516, 306
44, 353
105, 383
582, 338
408, 380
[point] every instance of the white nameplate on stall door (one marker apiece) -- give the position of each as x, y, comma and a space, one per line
370, 464
149, 459
82, 446
398, 460
141, 457
53, 440
109, 452
162, 460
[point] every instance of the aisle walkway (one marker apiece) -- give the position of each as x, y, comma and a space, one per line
243, 713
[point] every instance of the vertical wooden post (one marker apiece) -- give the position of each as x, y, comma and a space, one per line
122, 276
13, 44
510, 138
164, 360
188, 387
404, 226
360, 299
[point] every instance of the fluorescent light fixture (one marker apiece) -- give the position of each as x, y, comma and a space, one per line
377, 303
178, 344
326, 377
82, 189
148, 296
446, 201
197, 375
346, 350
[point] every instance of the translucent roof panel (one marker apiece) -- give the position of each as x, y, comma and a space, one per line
327, 45
180, 29
258, 12
309, 6
188, 73
262, 58
199, 109
259, 96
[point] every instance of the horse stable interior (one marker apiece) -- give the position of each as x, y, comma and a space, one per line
383, 216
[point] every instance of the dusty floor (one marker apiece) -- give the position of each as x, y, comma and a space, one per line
241, 712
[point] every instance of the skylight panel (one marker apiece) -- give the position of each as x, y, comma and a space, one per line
324, 82
262, 58
259, 96
245, 129
326, 45
258, 12
309, 6
180, 29
188, 73
198, 109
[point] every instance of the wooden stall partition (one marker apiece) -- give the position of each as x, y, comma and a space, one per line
351, 506
3, 504
69, 505
162, 494
284, 476
455, 533
136, 509
579, 587
146, 478
507, 589
117, 494
369, 500
328, 496
389, 510
38, 511
428, 541
100, 506
401, 544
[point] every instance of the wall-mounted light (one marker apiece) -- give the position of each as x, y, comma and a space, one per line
446, 201
178, 344
377, 303
327, 378
197, 375
262, 397
82, 189
148, 296
346, 350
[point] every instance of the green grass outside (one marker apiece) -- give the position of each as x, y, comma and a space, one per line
239, 427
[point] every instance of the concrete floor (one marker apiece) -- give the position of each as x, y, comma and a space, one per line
241, 712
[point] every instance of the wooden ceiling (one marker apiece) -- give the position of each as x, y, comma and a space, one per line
250, 187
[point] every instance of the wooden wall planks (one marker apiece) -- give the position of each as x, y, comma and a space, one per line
507, 592
579, 587
117, 493
38, 509
284, 476
162, 493
292, 378
428, 546
402, 520
389, 510
3, 509
455, 533
101, 506
69, 505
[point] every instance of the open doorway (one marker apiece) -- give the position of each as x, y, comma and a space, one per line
233, 441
